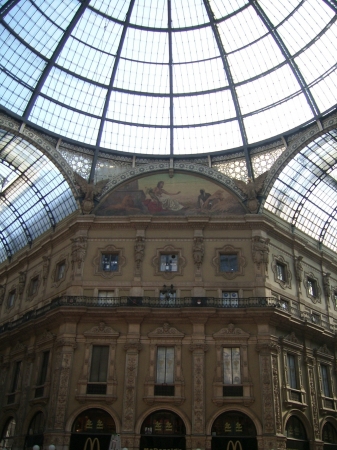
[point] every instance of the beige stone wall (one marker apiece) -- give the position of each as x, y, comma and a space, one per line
264, 334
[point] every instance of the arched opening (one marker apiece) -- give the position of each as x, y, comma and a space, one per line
35, 431
296, 434
161, 430
92, 430
7, 435
233, 430
329, 436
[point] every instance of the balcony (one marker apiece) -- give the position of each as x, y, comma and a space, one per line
312, 317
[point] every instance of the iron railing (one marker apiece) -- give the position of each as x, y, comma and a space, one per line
169, 302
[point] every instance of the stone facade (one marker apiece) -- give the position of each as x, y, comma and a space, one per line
206, 310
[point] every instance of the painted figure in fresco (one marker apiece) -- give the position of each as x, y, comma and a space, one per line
161, 200
202, 198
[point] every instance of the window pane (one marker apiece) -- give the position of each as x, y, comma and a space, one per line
165, 365
44, 367
228, 263
325, 381
232, 365
99, 364
110, 263
292, 372
168, 263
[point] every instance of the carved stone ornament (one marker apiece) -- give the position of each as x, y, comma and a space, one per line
327, 285
229, 250
166, 331
284, 279
198, 251
169, 250
291, 338
102, 330
323, 350
139, 251
299, 268
45, 267
89, 192
252, 189
19, 348
45, 337
78, 252
22, 282
97, 261
230, 331
260, 251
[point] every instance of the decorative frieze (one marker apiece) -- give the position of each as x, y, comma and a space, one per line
198, 368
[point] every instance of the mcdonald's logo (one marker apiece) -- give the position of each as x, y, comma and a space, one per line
90, 444
234, 446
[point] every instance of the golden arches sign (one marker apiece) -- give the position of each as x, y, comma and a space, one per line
90, 444
234, 446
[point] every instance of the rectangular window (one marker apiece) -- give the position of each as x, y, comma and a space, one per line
335, 298
232, 365
281, 271
16, 376
109, 262
39, 391
292, 371
98, 370
325, 381
60, 270
230, 299
229, 263
312, 287
165, 365
33, 286
168, 263
11, 298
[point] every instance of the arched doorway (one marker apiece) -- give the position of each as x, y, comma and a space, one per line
233, 430
163, 430
329, 436
296, 434
35, 431
7, 435
92, 430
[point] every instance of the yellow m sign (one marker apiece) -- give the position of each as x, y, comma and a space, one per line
90, 444
234, 446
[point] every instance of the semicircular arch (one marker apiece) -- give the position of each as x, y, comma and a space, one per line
170, 408
237, 408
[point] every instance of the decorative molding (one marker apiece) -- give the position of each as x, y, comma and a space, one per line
229, 331
101, 331
97, 261
276, 392
229, 250
288, 276
168, 250
60, 259
314, 298
166, 332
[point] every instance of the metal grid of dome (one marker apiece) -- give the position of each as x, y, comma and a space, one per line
168, 77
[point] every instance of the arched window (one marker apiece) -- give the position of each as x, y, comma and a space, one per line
92, 429
296, 434
94, 421
7, 434
329, 436
163, 429
35, 431
233, 430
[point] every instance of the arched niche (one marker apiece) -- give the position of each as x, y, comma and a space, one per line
233, 430
92, 427
329, 436
7, 434
35, 431
296, 434
161, 430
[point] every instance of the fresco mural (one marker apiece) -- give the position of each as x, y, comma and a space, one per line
182, 195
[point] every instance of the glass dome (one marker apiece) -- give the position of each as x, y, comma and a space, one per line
168, 77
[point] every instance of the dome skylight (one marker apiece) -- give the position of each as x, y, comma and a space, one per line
168, 77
